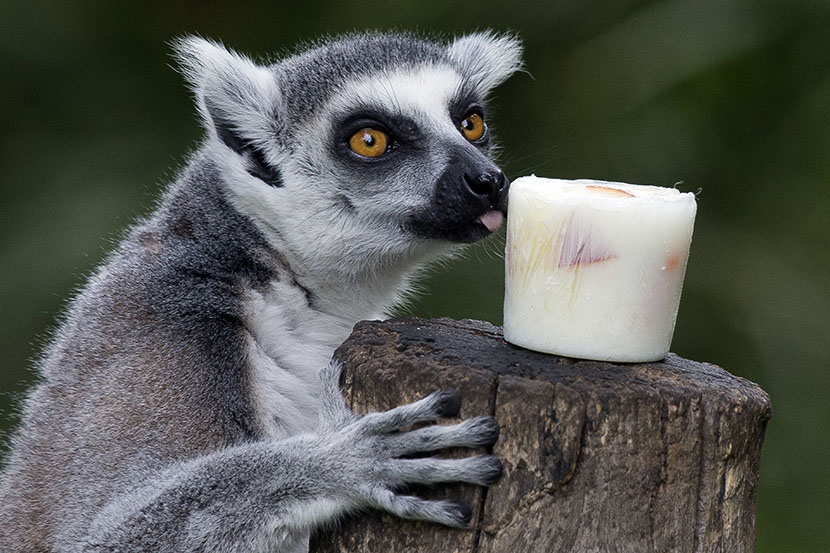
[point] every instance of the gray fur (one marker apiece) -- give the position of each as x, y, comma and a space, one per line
314, 74
179, 406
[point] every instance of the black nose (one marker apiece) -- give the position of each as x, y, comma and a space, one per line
487, 185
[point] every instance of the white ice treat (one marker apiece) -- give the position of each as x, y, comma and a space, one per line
594, 269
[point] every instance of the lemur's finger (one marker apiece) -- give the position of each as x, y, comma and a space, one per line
329, 375
449, 513
334, 413
475, 432
438, 404
483, 470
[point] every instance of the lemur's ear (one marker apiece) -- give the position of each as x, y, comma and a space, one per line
487, 59
237, 99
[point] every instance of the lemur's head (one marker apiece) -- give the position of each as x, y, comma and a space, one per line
373, 146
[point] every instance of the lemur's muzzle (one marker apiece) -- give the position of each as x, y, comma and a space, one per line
469, 201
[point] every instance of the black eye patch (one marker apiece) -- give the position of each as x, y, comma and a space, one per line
398, 127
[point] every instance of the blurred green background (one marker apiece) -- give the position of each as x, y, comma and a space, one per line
728, 97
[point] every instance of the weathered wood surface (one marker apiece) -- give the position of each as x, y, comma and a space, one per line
655, 457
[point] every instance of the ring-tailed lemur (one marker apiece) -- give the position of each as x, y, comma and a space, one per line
180, 406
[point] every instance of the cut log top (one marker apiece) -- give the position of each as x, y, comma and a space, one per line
598, 456
470, 343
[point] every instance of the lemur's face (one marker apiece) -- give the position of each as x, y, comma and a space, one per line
410, 147
372, 147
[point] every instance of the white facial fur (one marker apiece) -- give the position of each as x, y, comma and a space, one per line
367, 245
422, 94
363, 252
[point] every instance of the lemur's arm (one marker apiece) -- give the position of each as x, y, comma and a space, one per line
270, 494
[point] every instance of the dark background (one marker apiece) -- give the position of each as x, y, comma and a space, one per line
728, 97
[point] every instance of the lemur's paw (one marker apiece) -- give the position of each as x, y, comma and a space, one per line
483, 470
460, 514
449, 513
428, 409
378, 454
471, 433
490, 470
483, 431
447, 403
334, 413
330, 374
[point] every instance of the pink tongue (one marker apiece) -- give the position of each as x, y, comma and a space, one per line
492, 220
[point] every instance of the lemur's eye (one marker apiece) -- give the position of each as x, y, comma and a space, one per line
369, 142
473, 127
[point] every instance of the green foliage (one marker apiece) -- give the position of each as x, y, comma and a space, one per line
728, 97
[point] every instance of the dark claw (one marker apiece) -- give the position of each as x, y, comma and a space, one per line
494, 473
491, 432
464, 513
448, 403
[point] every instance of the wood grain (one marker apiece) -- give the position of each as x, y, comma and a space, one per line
598, 456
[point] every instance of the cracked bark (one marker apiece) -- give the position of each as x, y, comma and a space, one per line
598, 456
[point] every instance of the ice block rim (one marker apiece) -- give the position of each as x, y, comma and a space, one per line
547, 188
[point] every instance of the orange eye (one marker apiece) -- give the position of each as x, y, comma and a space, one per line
369, 142
473, 127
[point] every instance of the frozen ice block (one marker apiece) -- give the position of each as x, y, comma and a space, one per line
594, 269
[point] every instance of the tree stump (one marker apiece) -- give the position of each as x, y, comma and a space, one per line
598, 457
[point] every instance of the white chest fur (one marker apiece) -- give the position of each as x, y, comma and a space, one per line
288, 345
